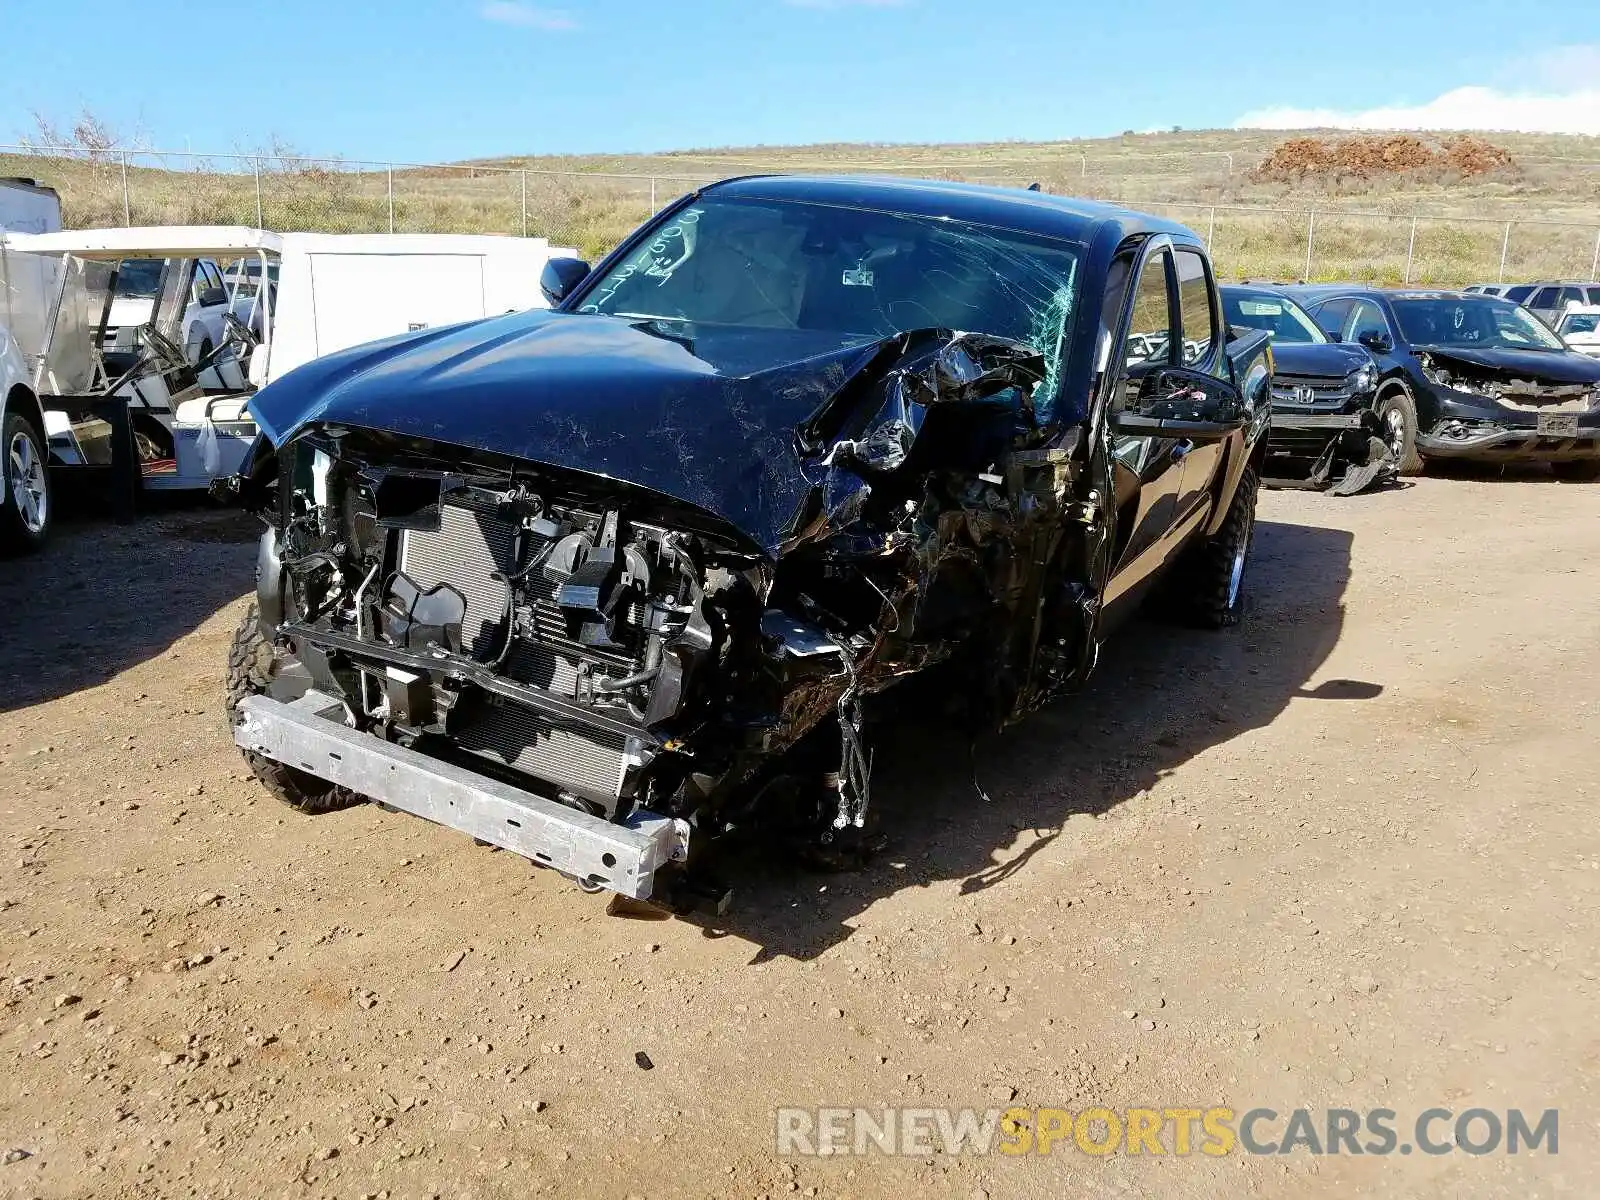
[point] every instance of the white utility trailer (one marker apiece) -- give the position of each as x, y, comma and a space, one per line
187, 371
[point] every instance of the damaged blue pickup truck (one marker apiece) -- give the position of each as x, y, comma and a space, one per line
598, 583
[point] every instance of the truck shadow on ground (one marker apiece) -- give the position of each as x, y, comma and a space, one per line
1160, 696
100, 597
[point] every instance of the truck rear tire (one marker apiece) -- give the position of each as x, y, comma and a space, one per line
252, 661
1209, 586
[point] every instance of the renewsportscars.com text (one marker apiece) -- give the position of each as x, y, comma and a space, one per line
1180, 1131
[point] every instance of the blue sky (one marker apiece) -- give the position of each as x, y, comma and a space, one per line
422, 80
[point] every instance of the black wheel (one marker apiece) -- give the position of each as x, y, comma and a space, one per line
1209, 583
1397, 413
252, 662
1576, 470
25, 482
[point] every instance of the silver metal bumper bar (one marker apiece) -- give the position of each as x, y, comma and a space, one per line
310, 734
1292, 420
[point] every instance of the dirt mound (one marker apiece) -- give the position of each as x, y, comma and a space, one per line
1369, 156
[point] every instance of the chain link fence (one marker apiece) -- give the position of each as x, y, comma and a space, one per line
594, 210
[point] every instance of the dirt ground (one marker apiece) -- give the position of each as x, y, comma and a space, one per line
1345, 855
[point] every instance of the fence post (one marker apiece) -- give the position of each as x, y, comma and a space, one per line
1594, 264
1311, 233
389, 172
524, 175
1230, 164
261, 220
1083, 166
1411, 249
127, 203
652, 193
1211, 227
1505, 248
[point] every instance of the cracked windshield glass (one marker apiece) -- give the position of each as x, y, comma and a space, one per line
1472, 321
817, 267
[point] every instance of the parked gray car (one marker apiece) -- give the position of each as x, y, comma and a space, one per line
1548, 301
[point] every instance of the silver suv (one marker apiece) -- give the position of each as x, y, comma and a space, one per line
1549, 300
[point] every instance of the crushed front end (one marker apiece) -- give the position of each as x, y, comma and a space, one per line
604, 678
1325, 433
1507, 414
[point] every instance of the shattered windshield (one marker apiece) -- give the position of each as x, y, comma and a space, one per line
1485, 322
1278, 315
782, 265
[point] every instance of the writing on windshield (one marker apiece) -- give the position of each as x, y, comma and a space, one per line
1480, 321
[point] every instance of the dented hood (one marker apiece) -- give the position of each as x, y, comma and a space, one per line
1545, 366
1333, 360
703, 415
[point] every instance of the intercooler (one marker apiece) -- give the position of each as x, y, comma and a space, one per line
472, 551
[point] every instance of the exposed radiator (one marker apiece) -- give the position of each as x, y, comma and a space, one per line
463, 552
589, 763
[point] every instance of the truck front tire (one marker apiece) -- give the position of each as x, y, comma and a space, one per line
1210, 579
252, 661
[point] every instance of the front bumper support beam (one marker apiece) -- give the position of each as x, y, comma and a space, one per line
310, 735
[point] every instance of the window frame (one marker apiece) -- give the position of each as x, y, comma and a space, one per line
1206, 362
1174, 316
1350, 334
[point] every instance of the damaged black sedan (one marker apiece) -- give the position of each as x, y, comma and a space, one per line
1325, 428
1468, 376
600, 583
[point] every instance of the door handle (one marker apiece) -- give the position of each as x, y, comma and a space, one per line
1181, 450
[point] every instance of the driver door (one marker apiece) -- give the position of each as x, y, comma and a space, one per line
1147, 470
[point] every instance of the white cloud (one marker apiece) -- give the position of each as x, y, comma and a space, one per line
1551, 92
513, 12
1463, 108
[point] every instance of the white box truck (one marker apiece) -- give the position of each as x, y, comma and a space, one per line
30, 285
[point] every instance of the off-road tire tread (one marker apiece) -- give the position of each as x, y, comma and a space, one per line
1207, 572
250, 663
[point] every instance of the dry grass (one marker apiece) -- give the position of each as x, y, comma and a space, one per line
573, 202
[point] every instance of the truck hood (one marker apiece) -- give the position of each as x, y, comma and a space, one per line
1541, 366
1334, 360
704, 415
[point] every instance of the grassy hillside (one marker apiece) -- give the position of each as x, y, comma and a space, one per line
1363, 227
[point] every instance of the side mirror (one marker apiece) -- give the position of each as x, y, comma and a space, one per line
1375, 341
1180, 403
1136, 424
560, 278
212, 297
